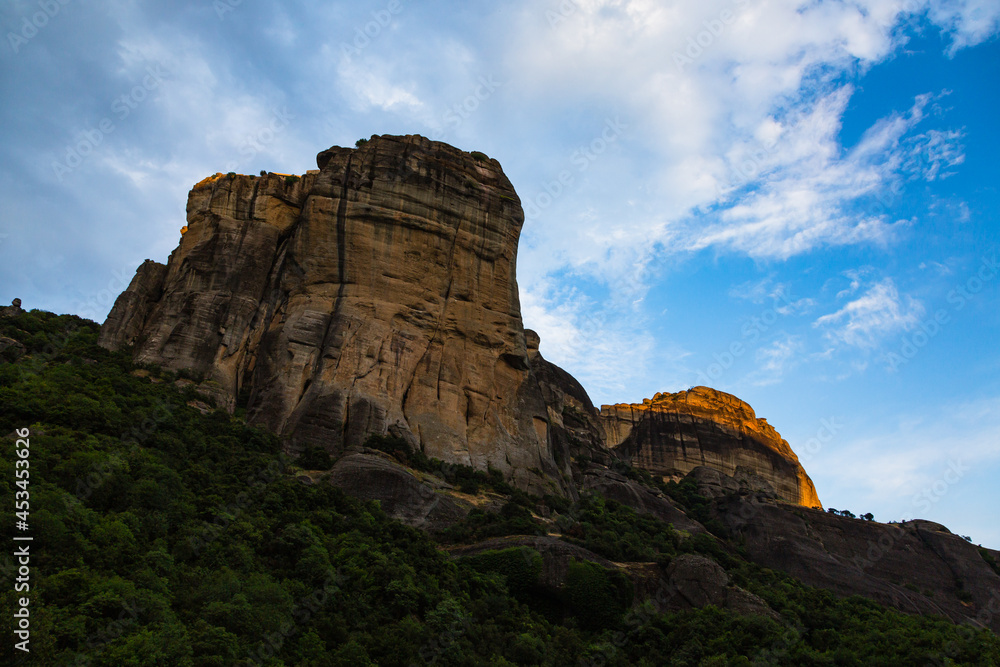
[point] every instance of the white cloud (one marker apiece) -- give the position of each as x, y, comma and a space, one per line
367, 84
776, 359
606, 348
857, 278
778, 294
968, 22
806, 194
739, 104
934, 151
867, 320
733, 146
916, 451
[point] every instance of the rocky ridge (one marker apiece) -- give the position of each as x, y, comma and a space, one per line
672, 434
377, 295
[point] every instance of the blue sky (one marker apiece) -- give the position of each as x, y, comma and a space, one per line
795, 202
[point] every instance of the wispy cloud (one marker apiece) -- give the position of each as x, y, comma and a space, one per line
879, 313
776, 359
768, 290
742, 105
808, 193
967, 22
913, 451
932, 153
368, 85
607, 348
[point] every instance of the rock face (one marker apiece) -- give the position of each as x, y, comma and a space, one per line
12, 310
400, 493
376, 295
672, 434
574, 425
11, 349
690, 581
642, 499
917, 567
697, 581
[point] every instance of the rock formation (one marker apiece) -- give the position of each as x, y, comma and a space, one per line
917, 567
672, 434
375, 295
690, 581
421, 502
12, 310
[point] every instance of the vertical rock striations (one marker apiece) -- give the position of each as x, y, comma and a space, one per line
376, 295
202, 311
672, 434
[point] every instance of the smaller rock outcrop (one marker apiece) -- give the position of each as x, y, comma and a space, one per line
421, 503
672, 434
126, 320
573, 422
13, 309
697, 581
11, 350
642, 499
556, 555
690, 581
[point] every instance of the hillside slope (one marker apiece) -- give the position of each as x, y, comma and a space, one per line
167, 531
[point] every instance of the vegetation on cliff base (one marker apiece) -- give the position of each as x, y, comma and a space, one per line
163, 535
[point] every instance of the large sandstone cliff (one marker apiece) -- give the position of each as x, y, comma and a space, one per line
376, 295
672, 434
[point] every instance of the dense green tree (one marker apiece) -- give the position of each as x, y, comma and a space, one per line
167, 536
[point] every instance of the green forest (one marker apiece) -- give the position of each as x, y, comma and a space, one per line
166, 532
